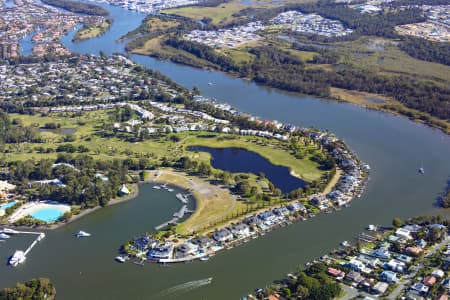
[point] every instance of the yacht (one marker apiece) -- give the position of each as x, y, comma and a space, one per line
372, 227
4, 236
120, 259
17, 258
9, 231
82, 233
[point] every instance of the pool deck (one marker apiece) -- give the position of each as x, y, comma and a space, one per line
31, 207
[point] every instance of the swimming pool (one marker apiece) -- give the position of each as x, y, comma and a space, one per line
8, 205
47, 214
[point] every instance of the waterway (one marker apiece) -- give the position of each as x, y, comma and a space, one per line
238, 160
394, 147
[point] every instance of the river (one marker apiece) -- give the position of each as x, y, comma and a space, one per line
394, 147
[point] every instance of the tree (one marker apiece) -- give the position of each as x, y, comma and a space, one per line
397, 222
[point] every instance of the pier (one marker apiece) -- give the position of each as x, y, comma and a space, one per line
20, 256
183, 198
165, 224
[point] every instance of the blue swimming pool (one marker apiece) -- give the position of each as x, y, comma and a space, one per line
47, 215
8, 205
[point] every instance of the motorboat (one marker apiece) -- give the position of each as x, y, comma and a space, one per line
421, 170
120, 259
372, 227
204, 258
82, 233
4, 236
17, 258
345, 244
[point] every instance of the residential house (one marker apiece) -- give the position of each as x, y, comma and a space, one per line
222, 235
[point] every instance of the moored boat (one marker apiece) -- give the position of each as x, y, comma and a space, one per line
4, 236
82, 233
17, 258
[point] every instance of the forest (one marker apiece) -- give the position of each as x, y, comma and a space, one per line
35, 289
279, 69
78, 7
427, 50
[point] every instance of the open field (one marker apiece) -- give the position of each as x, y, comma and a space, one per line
91, 31
219, 14
389, 59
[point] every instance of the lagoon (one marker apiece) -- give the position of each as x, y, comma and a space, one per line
238, 160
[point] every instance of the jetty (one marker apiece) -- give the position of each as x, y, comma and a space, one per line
183, 198
165, 224
184, 210
20, 256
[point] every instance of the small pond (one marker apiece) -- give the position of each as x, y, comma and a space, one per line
237, 160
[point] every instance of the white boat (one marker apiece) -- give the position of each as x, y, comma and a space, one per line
17, 258
120, 259
157, 187
345, 244
204, 258
210, 83
9, 231
4, 236
421, 170
372, 227
82, 233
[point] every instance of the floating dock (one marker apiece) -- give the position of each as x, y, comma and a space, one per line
183, 198
23, 254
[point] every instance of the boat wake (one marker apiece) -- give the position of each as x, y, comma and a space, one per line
183, 288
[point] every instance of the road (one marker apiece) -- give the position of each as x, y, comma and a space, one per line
396, 292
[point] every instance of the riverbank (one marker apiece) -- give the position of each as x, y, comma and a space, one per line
133, 194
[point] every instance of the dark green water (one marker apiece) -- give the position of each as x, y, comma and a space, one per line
393, 146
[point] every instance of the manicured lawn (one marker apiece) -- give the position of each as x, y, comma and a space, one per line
305, 168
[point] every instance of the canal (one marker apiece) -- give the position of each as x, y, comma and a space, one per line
394, 147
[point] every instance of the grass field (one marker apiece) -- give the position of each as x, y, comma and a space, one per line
92, 32
219, 14
387, 58
213, 202
305, 168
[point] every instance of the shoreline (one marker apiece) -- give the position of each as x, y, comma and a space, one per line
330, 98
134, 193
